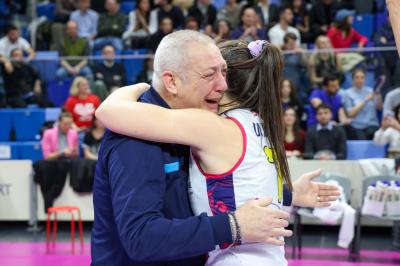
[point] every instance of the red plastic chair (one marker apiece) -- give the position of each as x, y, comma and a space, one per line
58, 209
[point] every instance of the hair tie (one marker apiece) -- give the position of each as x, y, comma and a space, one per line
256, 47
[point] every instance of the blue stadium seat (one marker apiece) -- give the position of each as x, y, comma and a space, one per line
27, 123
59, 91
51, 114
364, 149
127, 7
45, 9
46, 64
6, 124
365, 24
133, 66
31, 150
219, 4
9, 150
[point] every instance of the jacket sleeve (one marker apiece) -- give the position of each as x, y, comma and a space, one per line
46, 144
137, 181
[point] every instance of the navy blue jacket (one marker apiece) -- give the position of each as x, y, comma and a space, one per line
141, 205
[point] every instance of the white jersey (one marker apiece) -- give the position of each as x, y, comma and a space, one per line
254, 176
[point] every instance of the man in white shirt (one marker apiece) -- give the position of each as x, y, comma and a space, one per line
12, 41
277, 32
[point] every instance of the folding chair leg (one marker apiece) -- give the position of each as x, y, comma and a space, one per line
80, 230
54, 230
73, 232
48, 232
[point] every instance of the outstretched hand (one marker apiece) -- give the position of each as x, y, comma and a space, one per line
308, 193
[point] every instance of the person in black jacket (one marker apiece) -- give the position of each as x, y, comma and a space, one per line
204, 12
322, 15
325, 140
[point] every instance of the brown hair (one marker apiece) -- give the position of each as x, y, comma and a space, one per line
296, 128
255, 84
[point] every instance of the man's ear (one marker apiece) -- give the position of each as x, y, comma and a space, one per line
169, 80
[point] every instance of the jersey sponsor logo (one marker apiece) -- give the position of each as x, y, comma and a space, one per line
271, 159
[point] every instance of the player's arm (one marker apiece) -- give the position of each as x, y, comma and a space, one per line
195, 127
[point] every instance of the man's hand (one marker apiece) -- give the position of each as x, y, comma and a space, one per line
261, 224
307, 193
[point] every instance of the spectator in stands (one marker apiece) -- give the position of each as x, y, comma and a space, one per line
142, 21
231, 13
87, 20
63, 10
289, 98
109, 75
74, 46
22, 82
389, 133
93, 139
223, 31
294, 62
301, 20
389, 62
322, 15
361, 104
277, 32
342, 34
62, 141
249, 30
268, 12
11, 41
191, 24
82, 104
329, 96
146, 75
325, 141
167, 9
110, 27
321, 64
151, 42
294, 136
204, 12
392, 100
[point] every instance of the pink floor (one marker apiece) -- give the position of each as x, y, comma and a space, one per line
34, 254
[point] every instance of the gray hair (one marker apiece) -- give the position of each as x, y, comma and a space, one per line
171, 53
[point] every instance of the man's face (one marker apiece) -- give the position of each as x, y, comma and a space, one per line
333, 87
111, 6
288, 15
109, 53
249, 17
13, 35
290, 44
166, 26
72, 29
204, 82
17, 55
65, 124
324, 116
84, 5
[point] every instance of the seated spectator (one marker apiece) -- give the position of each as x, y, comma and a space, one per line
142, 21
63, 10
109, 75
87, 20
294, 136
249, 29
301, 20
268, 12
389, 133
289, 98
342, 33
110, 28
74, 46
11, 41
329, 96
167, 9
231, 13
321, 64
223, 31
151, 42
61, 142
322, 15
204, 12
294, 62
325, 141
191, 24
22, 83
146, 75
92, 140
361, 104
82, 104
277, 32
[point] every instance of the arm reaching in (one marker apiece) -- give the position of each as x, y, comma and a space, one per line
308, 193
